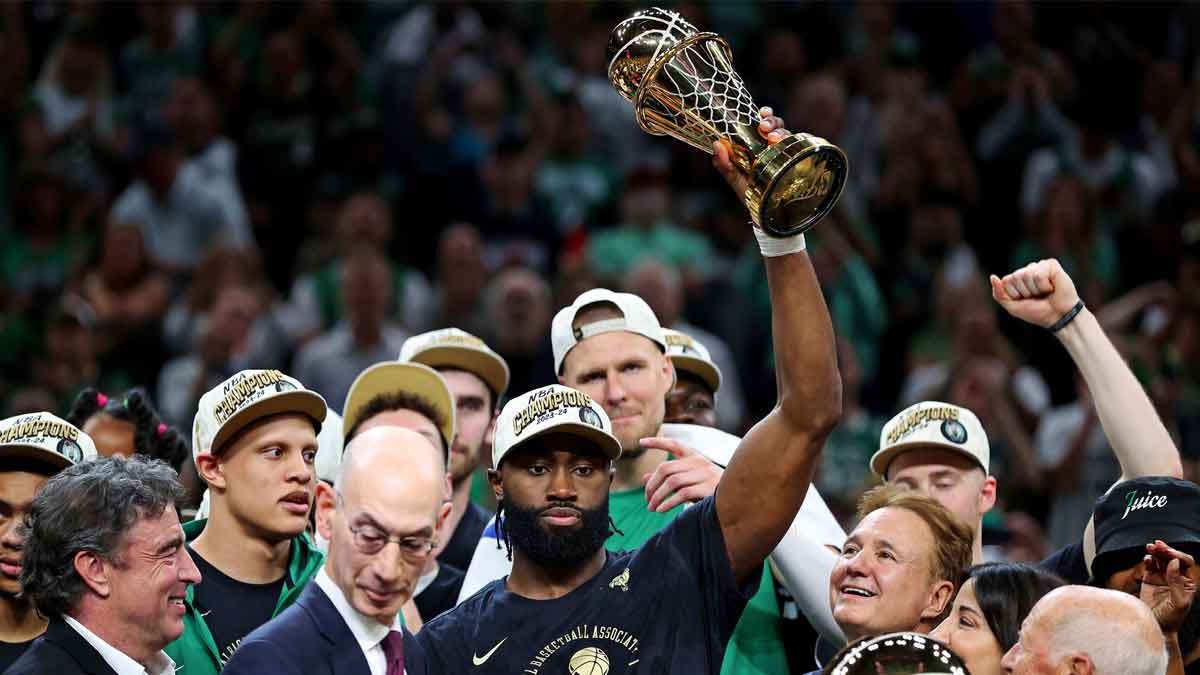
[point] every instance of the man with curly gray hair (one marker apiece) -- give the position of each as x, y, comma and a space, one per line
105, 561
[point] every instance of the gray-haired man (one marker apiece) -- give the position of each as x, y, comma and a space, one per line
105, 561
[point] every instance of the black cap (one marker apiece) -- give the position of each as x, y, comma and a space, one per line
1137, 512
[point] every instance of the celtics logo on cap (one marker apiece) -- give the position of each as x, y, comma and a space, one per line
284, 385
589, 416
954, 431
71, 450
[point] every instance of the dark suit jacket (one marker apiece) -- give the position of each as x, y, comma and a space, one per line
62, 651
311, 638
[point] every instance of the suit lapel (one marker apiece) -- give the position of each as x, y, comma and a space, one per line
343, 655
85, 655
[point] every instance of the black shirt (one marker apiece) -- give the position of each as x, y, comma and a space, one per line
1068, 563
10, 652
440, 595
667, 607
461, 547
231, 608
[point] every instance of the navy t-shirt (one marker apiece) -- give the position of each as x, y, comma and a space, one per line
667, 607
1068, 563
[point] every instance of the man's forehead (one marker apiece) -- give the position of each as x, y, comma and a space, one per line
924, 461
556, 448
603, 349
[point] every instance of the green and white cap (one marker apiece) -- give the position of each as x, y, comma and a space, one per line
44, 437
553, 408
245, 398
932, 424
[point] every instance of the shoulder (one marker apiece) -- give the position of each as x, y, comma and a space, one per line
51, 653
1068, 562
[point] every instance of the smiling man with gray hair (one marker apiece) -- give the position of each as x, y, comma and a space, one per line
105, 561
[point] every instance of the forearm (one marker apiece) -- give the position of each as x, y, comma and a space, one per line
1174, 655
804, 561
1137, 435
810, 387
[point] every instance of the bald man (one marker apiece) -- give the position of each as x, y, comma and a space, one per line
1088, 631
390, 490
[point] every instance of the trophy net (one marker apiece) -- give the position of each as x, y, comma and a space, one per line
696, 96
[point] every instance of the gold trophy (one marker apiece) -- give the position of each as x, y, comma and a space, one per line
682, 84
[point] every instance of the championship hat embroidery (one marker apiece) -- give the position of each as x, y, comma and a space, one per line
553, 408
932, 424
247, 397
41, 436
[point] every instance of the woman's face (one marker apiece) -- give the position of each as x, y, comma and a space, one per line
966, 631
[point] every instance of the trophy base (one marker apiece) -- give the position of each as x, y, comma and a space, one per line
794, 183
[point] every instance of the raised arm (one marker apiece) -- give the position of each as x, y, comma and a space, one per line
1042, 293
768, 477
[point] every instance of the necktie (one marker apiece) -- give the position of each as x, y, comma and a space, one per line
393, 652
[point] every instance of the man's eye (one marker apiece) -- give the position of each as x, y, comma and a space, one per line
537, 470
310, 456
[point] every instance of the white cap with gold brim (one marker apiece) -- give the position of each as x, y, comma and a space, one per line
394, 377
455, 348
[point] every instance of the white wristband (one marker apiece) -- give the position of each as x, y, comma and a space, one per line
772, 247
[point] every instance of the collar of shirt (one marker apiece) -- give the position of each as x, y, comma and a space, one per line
367, 631
120, 661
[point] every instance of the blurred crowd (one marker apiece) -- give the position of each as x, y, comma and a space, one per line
191, 189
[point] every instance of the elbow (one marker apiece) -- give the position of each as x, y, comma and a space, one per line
816, 413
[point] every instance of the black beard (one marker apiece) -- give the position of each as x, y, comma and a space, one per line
548, 549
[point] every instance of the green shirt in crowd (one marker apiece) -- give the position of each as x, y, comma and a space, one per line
757, 643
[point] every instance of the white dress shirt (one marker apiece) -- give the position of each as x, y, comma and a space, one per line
120, 661
367, 631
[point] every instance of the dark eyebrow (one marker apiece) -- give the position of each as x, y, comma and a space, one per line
169, 546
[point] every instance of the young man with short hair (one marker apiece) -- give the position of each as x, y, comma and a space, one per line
477, 378
33, 447
254, 441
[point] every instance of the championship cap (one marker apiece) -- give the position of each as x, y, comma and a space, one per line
932, 424
1135, 513
691, 356
553, 408
44, 437
455, 348
329, 458
636, 317
247, 397
394, 377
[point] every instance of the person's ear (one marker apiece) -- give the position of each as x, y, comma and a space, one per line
211, 470
497, 486
939, 598
443, 514
326, 504
1079, 664
987, 495
95, 572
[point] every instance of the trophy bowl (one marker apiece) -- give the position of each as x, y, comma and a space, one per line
896, 654
682, 84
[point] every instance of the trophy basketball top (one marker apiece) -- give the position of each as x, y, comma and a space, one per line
639, 41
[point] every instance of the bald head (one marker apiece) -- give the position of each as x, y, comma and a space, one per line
1089, 630
397, 456
384, 518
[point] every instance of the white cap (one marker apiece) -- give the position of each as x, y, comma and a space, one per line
932, 424
552, 408
455, 348
45, 437
636, 317
329, 447
247, 397
691, 356
394, 377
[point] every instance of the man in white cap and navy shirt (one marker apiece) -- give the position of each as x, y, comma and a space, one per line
254, 441
33, 447
671, 605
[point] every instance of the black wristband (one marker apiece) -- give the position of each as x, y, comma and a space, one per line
1067, 318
